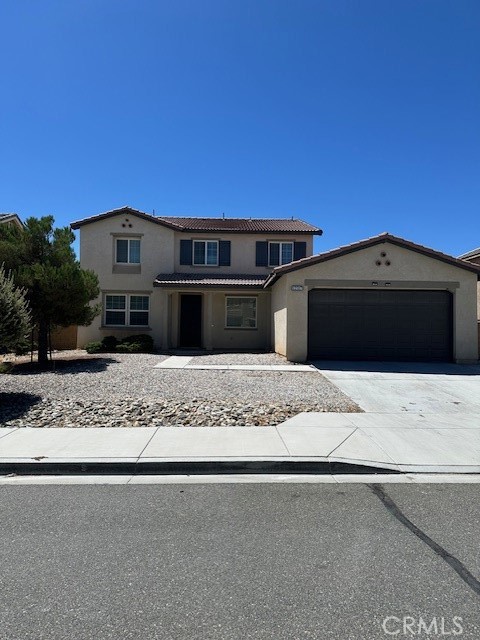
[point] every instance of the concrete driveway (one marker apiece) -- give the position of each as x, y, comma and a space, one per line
417, 417
408, 387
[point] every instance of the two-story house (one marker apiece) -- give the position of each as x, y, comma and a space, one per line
222, 283
191, 282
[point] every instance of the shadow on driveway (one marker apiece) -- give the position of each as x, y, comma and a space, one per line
428, 368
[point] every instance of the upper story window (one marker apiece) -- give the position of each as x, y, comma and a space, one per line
205, 253
127, 251
276, 252
279, 253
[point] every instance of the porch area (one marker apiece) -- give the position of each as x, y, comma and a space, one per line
225, 312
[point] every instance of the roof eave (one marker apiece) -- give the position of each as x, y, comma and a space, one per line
197, 285
185, 228
364, 244
77, 224
12, 217
272, 278
470, 256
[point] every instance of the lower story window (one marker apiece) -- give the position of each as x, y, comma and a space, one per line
240, 313
127, 310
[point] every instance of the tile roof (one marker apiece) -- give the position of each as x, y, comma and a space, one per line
363, 244
243, 225
207, 280
209, 225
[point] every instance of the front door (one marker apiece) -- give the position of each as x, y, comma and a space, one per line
190, 320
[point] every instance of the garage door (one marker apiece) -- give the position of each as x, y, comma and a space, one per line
346, 324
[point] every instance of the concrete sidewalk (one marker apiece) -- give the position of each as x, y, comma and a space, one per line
309, 443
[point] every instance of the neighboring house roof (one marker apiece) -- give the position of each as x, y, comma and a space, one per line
10, 217
209, 225
470, 254
363, 244
206, 280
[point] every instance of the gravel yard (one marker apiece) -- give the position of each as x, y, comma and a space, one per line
242, 358
124, 390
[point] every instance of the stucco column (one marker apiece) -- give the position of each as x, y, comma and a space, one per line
297, 322
208, 321
164, 303
465, 327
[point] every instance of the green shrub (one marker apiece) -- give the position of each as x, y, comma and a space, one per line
143, 340
109, 343
94, 347
141, 343
137, 347
131, 347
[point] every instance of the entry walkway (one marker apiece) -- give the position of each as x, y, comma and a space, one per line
185, 362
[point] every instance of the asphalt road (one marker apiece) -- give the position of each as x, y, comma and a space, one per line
239, 562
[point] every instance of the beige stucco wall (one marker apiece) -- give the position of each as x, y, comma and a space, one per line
214, 333
359, 269
96, 331
279, 316
97, 253
243, 247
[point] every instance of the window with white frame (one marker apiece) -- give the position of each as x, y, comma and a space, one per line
205, 253
126, 310
279, 253
240, 312
127, 250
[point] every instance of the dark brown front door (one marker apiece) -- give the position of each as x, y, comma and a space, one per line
190, 320
361, 324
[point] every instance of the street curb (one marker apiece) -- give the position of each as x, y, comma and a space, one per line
183, 467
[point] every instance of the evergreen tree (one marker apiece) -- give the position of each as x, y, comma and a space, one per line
14, 313
43, 263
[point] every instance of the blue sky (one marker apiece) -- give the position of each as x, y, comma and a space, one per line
360, 116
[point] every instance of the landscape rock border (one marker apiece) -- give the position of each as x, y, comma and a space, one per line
136, 412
